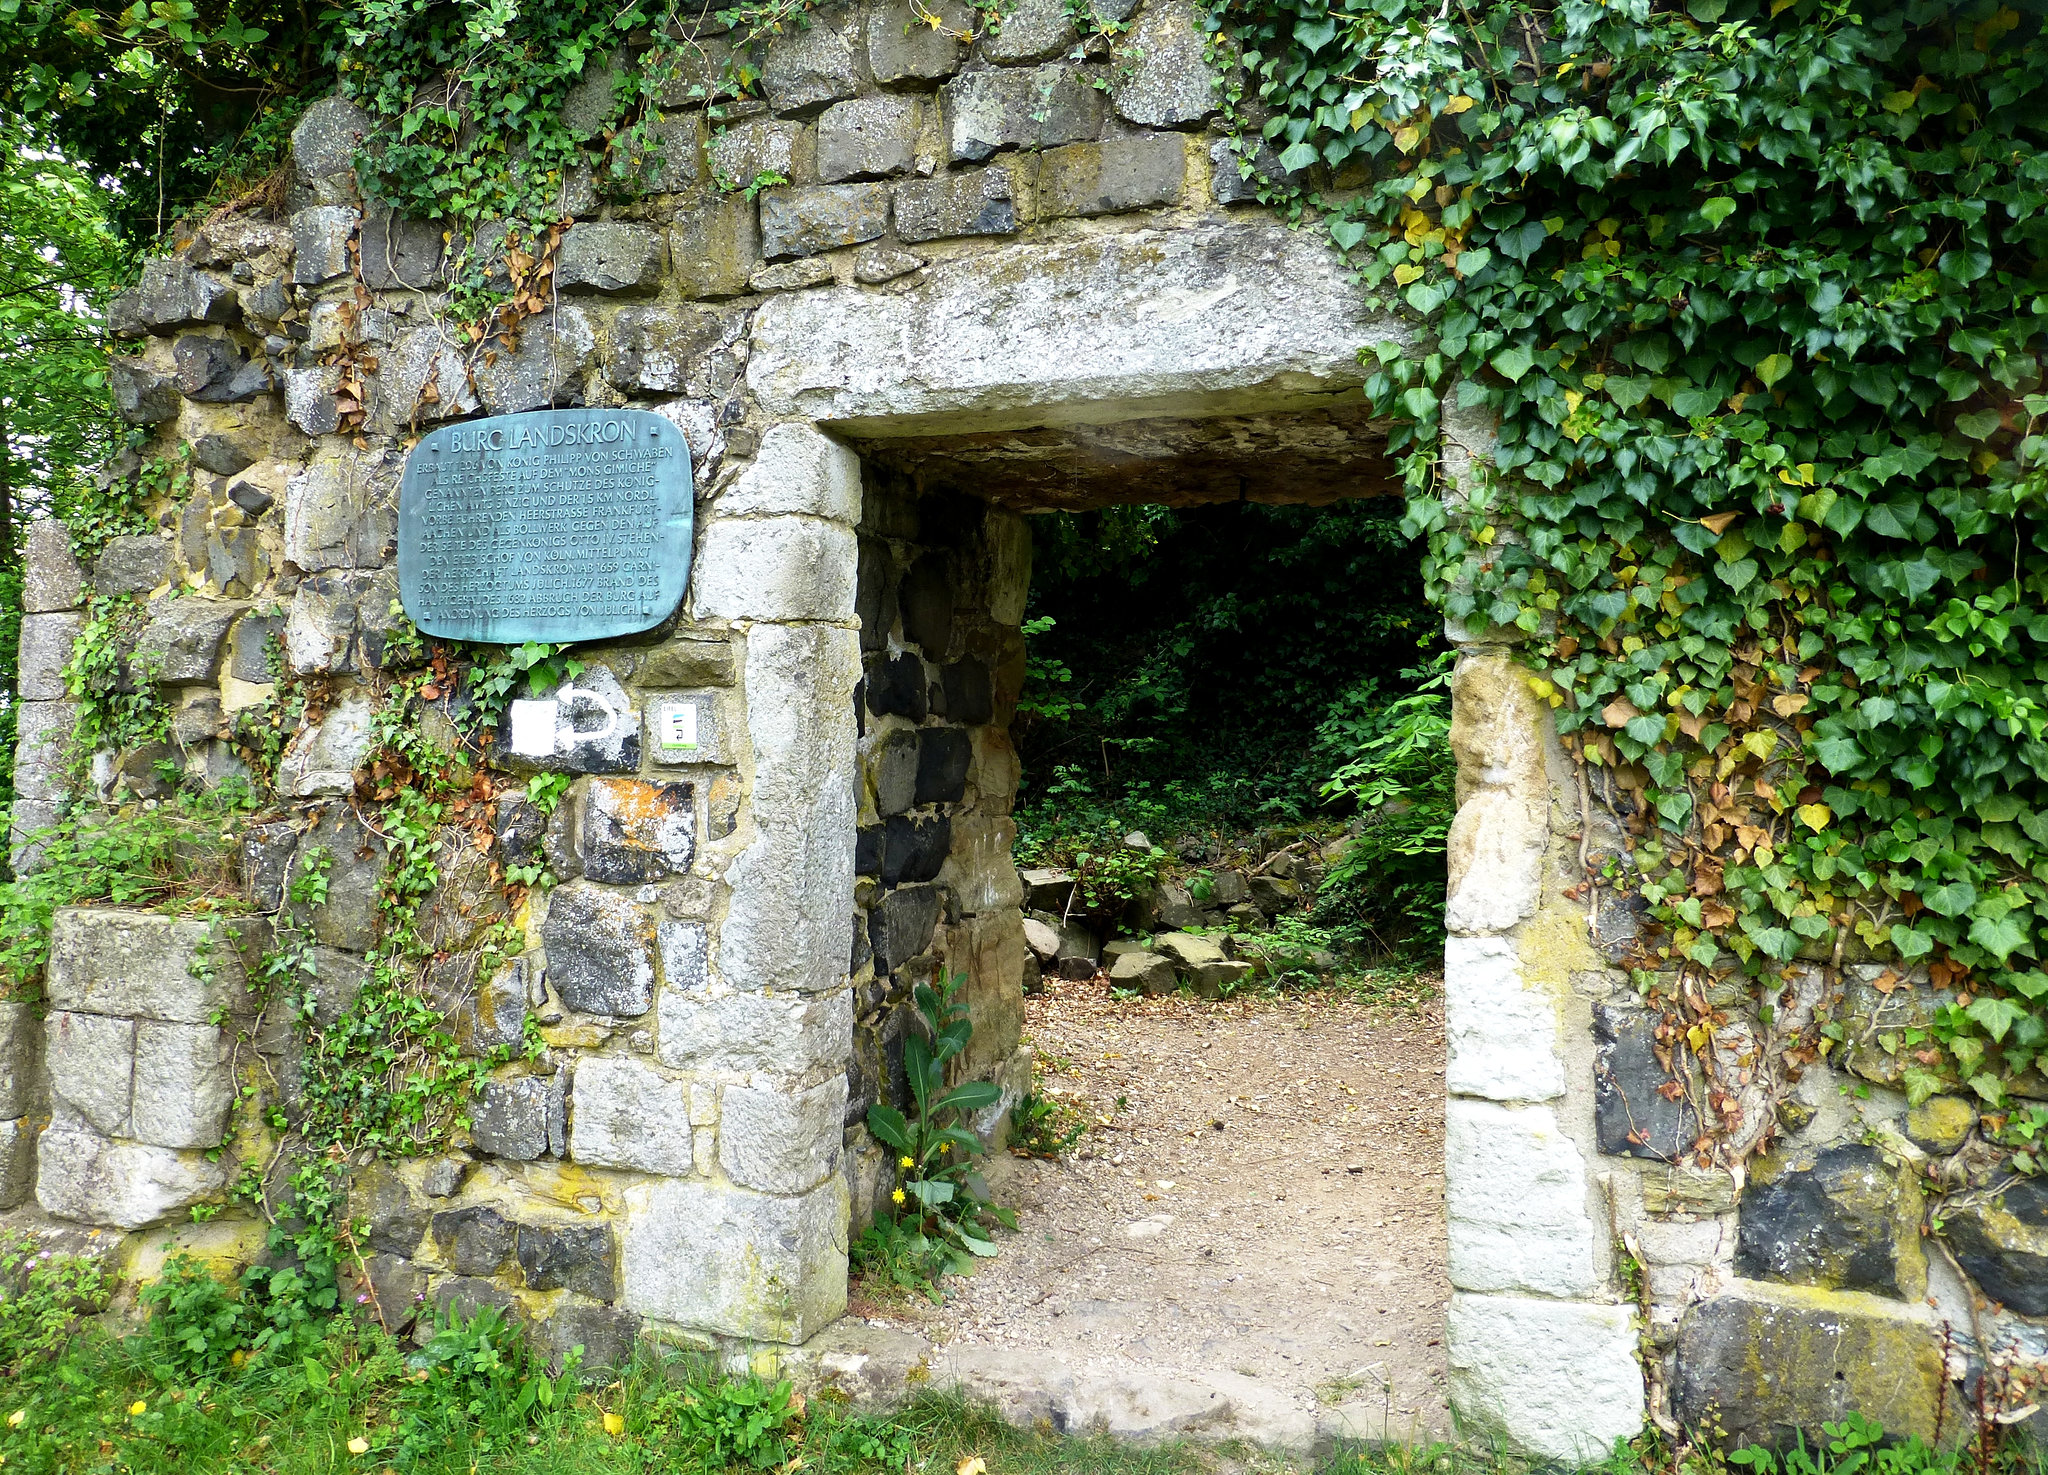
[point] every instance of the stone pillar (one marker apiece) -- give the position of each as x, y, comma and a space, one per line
755, 1246
1542, 1352
53, 590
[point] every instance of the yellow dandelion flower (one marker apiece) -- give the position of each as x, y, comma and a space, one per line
945, 1147
615, 1424
137, 1409
897, 1195
905, 1162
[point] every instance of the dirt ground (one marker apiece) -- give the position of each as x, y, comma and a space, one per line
1260, 1191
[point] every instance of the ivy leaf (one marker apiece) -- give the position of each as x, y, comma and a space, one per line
1513, 363
1817, 817
1910, 943
2001, 937
1837, 754
1981, 425
1951, 898
1987, 1085
1346, 233
1297, 156
1718, 209
1774, 368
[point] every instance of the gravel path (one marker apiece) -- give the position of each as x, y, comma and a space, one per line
1260, 1192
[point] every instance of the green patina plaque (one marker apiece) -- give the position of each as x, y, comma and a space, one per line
558, 525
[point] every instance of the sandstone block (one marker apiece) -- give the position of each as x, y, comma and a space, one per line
1117, 174
1495, 860
142, 965
606, 256
183, 1087
1557, 1379
1148, 973
716, 247
600, 951
1516, 1200
781, 1141
142, 396
91, 1060
181, 644
624, 1114
785, 1036
810, 67
84, 1177
1758, 1369
805, 220
799, 469
1170, 82
905, 52
869, 137
1503, 1033
1035, 107
1035, 30
51, 578
733, 1261
973, 203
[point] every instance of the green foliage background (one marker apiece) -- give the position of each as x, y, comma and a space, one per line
1756, 290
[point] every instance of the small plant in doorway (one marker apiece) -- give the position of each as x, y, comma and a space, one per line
943, 1212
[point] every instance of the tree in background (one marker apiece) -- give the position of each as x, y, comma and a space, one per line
58, 259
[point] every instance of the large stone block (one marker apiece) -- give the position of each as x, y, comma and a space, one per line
761, 146
1555, 1379
781, 1141
398, 252
716, 247
1495, 860
17, 1162
789, 923
84, 1177
1169, 82
475, 1241
727, 1030
900, 925
610, 256
605, 1336
1639, 1108
51, 578
1503, 1032
775, 568
518, 1118
143, 965
1517, 1203
1033, 30
805, 220
810, 66
1763, 1368
729, 1260
213, 371
45, 650
906, 51
568, 1257
1118, 174
325, 141
42, 750
663, 348
2003, 1243
342, 849
341, 513
635, 831
173, 294
184, 1089
1198, 312
624, 1114
134, 563
799, 469
427, 357
142, 396
91, 1060
1842, 1219
545, 369
21, 1055
320, 237
1031, 107
869, 137
323, 758
974, 202
978, 869
181, 644
600, 950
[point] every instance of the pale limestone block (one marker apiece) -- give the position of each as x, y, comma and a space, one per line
799, 469
1495, 862
1503, 1032
729, 1260
781, 1141
1557, 1379
732, 1031
789, 924
143, 965
184, 1089
1516, 1201
82, 1176
624, 1114
91, 1059
775, 568
21, 1051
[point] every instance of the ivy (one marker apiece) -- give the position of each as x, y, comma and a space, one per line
1755, 291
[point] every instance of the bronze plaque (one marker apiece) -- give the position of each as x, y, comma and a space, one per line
557, 525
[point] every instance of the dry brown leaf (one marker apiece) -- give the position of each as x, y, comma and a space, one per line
1719, 522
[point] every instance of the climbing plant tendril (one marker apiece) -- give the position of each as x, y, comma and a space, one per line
1756, 291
